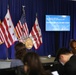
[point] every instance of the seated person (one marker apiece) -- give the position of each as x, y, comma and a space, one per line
20, 51
33, 65
17, 64
68, 60
73, 46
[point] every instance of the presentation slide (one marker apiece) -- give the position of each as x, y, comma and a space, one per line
57, 23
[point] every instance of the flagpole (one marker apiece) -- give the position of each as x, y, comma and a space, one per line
36, 14
23, 9
7, 54
24, 38
7, 48
34, 36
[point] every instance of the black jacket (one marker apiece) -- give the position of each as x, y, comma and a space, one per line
70, 66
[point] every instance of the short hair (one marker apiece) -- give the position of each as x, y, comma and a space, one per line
19, 46
20, 50
62, 51
71, 43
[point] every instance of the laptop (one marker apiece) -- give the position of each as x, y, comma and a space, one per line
55, 73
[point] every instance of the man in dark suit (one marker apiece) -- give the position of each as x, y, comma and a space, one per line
68, 60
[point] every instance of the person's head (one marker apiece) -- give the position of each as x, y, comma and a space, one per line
63, 55
20, 50
73, 44
32, 63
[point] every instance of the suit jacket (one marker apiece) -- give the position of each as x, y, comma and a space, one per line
70, 66
16, 62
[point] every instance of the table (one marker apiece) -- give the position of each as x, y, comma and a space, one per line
44, 60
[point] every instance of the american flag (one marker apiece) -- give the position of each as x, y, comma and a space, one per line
7, 30
22, 28
36, 35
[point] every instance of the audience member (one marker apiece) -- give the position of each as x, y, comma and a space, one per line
33, 65
20, 51
68, 60
73, 46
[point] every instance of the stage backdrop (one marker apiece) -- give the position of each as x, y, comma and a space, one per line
52, 41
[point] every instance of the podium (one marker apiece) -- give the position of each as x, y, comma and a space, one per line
46, 59
47, 63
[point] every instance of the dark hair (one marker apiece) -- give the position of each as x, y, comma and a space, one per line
34, 63
71, 43
20, 50
62, 51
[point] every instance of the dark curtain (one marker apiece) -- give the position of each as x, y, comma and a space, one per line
52, 41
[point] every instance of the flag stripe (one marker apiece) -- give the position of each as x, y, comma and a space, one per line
18, 29
10, 40
36, 35
7, 30
25, 29
22, 28
1, 37
4, 34
34, 39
